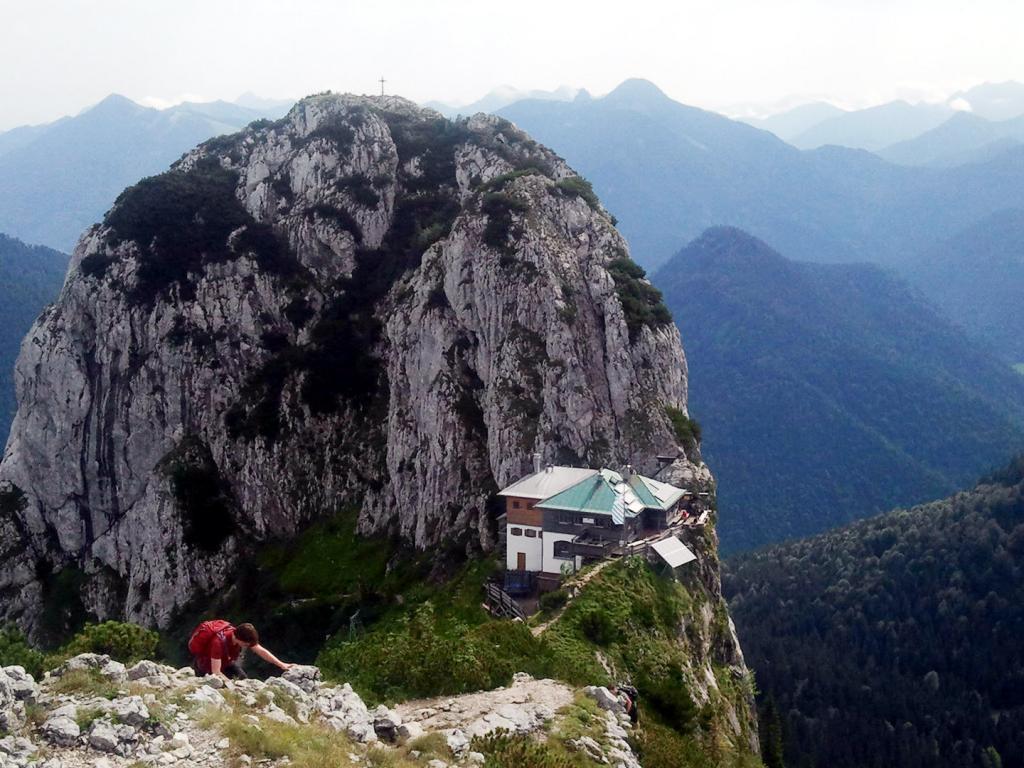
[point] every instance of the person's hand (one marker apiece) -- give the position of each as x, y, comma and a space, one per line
286, 666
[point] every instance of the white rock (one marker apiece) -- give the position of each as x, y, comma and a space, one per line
409, 731
278, 715
180, 739
205, 695
457, 741
23, 685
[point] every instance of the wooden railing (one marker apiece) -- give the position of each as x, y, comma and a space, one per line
501, 603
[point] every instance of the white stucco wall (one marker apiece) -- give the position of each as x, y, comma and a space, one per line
551, 563
533, 547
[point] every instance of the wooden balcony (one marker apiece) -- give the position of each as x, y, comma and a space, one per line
591, 545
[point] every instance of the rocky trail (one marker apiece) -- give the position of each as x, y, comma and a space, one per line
574, 589
94, 711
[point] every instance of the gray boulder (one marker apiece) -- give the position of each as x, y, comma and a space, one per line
22, 684
17, 746
145, 668
605, 699
100, 662
361, 732
304, 676
386, 723
12, 711
103, 737
287, 686
61, 730
130, 711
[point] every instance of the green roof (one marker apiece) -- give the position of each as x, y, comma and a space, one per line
636, 482
595, 494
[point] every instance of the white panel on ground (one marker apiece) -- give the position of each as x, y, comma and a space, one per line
673, 551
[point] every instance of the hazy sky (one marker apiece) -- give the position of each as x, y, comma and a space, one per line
58, 57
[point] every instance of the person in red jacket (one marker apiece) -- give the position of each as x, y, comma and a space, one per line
217, 645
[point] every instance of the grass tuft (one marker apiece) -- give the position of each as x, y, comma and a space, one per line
85, 682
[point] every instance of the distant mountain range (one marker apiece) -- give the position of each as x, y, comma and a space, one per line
502, 97
30, 277
895, 641
875, 127
669, 171
817, 124
828, 392
791, 123
59, 178
963, 138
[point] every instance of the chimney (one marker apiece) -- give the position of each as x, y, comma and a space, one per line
536, 463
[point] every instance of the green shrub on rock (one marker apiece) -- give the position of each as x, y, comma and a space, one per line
124, 642
502, 749
551, 601
642, 303
14, 649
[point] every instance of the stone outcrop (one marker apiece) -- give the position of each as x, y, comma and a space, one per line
362, 305
170, 717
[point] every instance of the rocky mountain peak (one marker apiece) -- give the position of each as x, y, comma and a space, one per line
361, 305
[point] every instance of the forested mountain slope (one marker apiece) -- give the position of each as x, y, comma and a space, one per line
897, 640
977, 279
829, 392
30, 277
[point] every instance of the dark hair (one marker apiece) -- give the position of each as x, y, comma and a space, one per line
247, 634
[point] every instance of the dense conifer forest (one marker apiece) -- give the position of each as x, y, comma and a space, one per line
896, 640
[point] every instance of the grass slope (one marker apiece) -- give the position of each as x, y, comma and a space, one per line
423, 631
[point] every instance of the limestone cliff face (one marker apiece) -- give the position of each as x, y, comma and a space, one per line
360, 305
